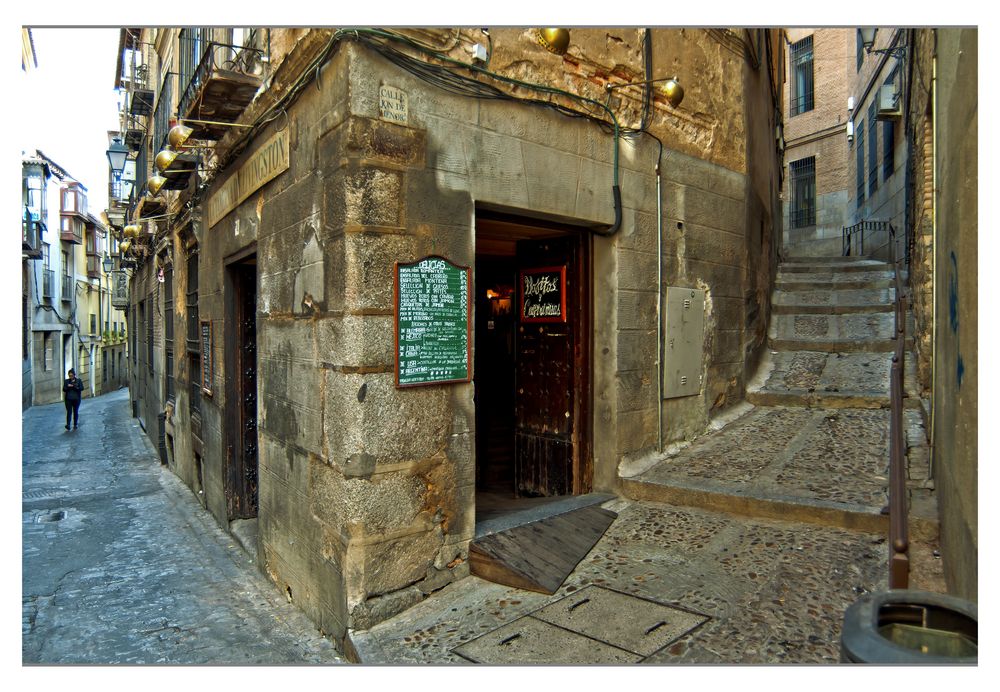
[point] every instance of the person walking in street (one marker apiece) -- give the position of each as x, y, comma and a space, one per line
73, 387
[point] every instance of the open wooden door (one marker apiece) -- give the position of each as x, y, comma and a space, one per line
551, 367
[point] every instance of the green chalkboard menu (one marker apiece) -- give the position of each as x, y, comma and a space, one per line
432, 312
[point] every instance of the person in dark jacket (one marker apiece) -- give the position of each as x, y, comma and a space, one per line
73, 387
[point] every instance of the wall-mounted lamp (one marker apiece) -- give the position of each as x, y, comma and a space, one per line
553, 40
672, 89
108, 264
155, 183
117, 153
868, 41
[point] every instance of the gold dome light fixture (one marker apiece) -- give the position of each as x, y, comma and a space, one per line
553, 40
131, 231
165, 158
179, 135
671, 90
155, 183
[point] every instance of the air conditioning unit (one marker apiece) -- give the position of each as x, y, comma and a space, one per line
888, 103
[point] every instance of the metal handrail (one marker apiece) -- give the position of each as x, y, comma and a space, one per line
899, 559
214, 56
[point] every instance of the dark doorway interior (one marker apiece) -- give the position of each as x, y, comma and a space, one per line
531, 376
241, 383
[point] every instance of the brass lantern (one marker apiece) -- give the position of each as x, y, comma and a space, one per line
155, 183
178, 135
673, 91
164, 159
553, 40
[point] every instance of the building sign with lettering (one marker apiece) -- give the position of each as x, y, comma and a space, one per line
119, 289
433, 323
543, 294
206, 357
265, 164
393, 104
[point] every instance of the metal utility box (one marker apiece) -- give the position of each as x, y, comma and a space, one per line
683, 341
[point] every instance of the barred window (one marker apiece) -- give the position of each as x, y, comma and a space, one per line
801, 58
860, 172
872, 150
803, 188
888, 149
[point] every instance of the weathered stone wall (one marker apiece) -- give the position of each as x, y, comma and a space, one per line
367, 491
956, 384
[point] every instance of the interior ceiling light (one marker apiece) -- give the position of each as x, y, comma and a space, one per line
178, 135
553, 40
155, 183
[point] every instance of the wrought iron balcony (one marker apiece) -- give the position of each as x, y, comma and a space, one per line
31, 237
67, 288
48, 282
220, 85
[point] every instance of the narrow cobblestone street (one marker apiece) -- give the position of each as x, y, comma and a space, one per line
121, 565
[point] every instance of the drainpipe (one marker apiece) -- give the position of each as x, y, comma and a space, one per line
659, 312
934, 250
616, 193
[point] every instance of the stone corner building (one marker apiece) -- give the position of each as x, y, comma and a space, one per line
265, 327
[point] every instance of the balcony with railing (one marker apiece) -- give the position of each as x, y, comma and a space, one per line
67, 288
217, 80
48, 282
31, 237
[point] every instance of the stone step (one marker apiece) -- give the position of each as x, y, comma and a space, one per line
829, 302
839, 333
821, 379
805, 259
820, 466
831, 266
830, 281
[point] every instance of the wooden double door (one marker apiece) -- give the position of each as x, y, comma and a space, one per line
533, 367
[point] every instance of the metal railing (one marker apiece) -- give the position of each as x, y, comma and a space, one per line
67, 288
48, 280
870, 233
899, 542
201, 57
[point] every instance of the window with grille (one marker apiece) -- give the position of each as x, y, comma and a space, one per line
193, 343
802, 174
168, 329
872, 150
888, 149
149, 332
860, 52
801, 58
860, 171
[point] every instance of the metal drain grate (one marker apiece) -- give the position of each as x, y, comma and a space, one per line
41, 494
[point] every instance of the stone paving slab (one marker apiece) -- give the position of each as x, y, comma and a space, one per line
766, 591
835, 380
845, 333
810, 281
838, 457
833, 302
135, 571
840, 265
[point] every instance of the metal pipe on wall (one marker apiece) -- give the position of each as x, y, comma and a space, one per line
659, 311
934, 249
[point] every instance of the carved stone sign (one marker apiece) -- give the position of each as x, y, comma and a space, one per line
265, 164
207, 365
119, 289
393, 104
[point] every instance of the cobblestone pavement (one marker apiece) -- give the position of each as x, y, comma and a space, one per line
765, 591
121, 565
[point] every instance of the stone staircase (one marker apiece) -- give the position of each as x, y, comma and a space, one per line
814, 445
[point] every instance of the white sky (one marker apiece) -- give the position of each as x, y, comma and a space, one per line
75, 73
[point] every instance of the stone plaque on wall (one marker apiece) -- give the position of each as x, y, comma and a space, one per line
393, 104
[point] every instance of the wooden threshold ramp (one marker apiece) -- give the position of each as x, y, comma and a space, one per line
538, 556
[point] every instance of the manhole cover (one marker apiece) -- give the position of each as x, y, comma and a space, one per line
592, 626
51, 516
